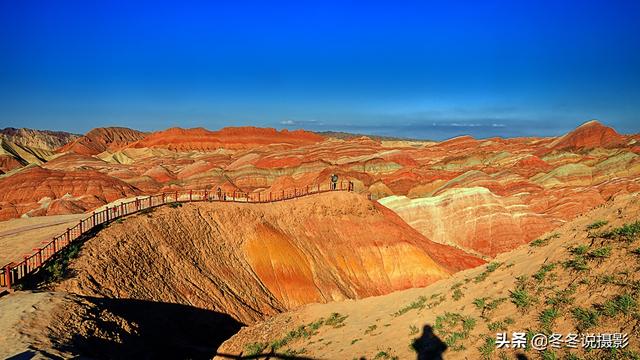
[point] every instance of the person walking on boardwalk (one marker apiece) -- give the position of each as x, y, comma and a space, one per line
334, 181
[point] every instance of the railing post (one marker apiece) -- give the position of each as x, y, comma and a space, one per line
7, 276
68, 236
190, 195
270, 196
318, 187
39, 256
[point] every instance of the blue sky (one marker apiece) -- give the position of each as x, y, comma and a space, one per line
427, 69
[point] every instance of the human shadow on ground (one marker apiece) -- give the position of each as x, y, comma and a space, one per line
428, 346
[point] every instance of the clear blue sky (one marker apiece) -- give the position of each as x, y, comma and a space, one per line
428, 69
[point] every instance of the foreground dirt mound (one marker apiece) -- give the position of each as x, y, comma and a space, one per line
251, 261
580, 279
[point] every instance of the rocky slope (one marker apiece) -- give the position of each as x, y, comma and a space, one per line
582, 278
212, 267
251, 261
102, 139
39, 139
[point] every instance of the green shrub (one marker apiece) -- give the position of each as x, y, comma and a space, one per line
600, 253
457, 294
336, 320
624, 304
521, 298
597, 225
417, 304
579, 250
255, 348
542, 272
547, 318
577, 263
488, 347
586, 318
489, 269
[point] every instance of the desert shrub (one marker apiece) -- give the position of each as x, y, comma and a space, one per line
547, 318
620, 304
627, 232
542, 272
255, 348
597, 225
543, 241
521, 298
585, 318
457, 294
579, 250
417, 304
600, 253
175, 205
487, 348
413, 330
489, 269
577, 263
386, 355
500, 325
453, 327
336, 320
370, 329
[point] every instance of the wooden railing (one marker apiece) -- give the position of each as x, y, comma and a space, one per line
12, 273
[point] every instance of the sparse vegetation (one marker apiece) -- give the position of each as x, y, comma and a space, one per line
489, 269
175, 205
500, 325
562, 297
255, 348
577, 263
457, 294
488, 347
521, 298
627, 232
413, 330
306, 331
620, 304
336, 320
597, 224
547, 317
585, 318
543, 241
600, 253
542, 272
370, 329
453, 327
417, 304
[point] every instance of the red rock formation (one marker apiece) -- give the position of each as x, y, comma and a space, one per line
589, 135
34, 187
252, 261
230, 138
102, 139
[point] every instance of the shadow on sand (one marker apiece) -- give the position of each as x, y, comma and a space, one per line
428, 346
164, 330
